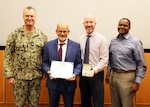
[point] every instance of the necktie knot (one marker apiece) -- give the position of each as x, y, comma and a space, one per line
61, 44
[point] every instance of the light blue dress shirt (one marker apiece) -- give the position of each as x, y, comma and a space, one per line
127, 54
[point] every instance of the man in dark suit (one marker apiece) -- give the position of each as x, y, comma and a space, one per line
70, 53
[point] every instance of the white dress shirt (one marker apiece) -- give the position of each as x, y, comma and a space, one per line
64, 49
98, 52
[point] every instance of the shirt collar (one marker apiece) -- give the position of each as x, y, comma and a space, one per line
34, 33
63, 42
91, 35
126, 36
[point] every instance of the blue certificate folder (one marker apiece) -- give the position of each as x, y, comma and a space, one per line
60, 69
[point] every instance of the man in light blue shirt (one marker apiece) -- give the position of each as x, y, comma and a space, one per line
126, 66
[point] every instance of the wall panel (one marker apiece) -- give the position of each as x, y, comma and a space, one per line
2, 81
6, 96
44, 93
143, 95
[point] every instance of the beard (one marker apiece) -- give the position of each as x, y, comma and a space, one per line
89, 30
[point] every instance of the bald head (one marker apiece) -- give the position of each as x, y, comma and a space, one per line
89, 17
89, 23
62, 31
62, 25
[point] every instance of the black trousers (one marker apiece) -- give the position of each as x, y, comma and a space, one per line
92, 90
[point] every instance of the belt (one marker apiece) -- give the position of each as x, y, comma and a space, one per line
123, 71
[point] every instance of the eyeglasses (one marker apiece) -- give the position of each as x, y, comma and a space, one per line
62, 31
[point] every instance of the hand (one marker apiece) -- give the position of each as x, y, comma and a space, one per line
134, 87
51, 78
72, 78
11, 80
91, 73
49, 74
107, 80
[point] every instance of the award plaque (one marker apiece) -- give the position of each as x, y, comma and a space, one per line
86, 70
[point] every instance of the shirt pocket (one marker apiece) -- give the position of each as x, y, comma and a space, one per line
21, 45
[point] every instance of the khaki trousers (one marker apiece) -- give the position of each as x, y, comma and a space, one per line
120, 84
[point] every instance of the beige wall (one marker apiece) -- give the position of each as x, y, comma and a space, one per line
50, 12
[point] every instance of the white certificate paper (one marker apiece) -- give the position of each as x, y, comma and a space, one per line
86, 70
61, 69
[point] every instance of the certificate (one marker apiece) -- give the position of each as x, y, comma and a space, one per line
86, 70
61, 69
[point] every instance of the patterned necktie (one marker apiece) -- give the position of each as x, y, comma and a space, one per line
60, 51
86, 54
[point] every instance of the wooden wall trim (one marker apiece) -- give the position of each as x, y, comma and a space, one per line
3, 48
146, 50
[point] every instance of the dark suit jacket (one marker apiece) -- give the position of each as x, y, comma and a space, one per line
73, 54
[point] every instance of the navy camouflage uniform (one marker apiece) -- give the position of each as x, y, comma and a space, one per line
23, 62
